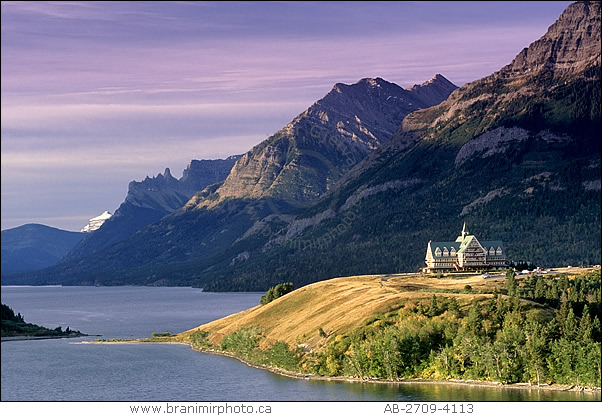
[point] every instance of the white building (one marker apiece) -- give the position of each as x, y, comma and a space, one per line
466, 253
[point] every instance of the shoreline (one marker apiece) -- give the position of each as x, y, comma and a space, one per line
456, 382
347, 379
24, 338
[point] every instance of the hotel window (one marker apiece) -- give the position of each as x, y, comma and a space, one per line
499, 250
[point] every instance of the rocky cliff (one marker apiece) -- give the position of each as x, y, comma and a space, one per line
150, 200
537, 89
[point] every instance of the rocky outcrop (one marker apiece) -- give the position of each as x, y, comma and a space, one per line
481, 201
571, 44
500, 140
433, 91
366, 191
166, 193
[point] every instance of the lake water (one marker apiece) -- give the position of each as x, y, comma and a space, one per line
62, 370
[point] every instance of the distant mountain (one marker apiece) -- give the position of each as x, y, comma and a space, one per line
290, 169
153, 198
433, 91
96, 222
167, 194
516, 155
33, 247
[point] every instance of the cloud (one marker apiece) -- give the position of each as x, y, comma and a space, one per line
63, 10
171, 150
72, 116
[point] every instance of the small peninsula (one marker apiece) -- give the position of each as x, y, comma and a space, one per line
14, 327
533, 330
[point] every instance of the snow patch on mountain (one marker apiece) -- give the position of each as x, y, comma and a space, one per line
96, 222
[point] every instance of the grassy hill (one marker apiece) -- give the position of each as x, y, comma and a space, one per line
339, 305
526, 329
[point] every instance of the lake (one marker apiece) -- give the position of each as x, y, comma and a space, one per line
63, 370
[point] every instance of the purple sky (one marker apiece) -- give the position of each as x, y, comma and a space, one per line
96, 94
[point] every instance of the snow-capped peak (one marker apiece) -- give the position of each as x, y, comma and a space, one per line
96, 222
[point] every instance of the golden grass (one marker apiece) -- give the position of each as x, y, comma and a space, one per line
338, 306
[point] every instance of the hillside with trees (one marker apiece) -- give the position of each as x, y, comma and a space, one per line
538, 329
14, 325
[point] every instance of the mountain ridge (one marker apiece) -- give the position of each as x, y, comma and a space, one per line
515, 154
509, 154
150, 200
347, 113
34, 246
292, 167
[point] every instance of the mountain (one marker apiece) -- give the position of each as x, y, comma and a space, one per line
433, 91
304, 159
165, 193
153, 198
32, 247
289, 170
96, 222
516, 155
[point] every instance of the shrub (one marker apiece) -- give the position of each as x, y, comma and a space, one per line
276, 292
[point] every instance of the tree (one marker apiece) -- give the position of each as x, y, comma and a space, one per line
475, 317
433, 309
511, 285
276, 292
562, 314
9, 314
596, 329
585, 326
571, 329
540, 290
536, 352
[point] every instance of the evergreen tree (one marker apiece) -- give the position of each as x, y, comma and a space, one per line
475, 317
540, 290
511, 284
571, 328
536, 352
433, 307
585, 326
596, 329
